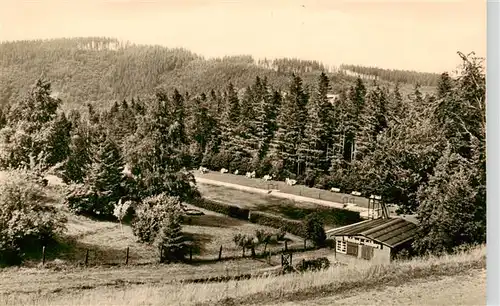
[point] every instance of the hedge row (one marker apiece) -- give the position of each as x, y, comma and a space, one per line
337, 216
332, 216
290, 226
223, 208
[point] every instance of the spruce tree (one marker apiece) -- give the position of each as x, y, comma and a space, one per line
397, 106
319, 128
171, 239
452, 210
156, 154
178, 113
291, 125
58, 140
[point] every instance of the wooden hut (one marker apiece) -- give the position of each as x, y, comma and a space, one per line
377, 240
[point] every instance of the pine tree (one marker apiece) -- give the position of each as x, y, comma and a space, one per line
445, 85
291, 126
375, 121
266, 105
201, 128
233, 151
452, 211
33, 134
36, 109
319, 128
58, 140
179, 114
398, 108
157, 156
102, 185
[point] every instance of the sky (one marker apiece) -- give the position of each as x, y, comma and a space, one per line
395, 34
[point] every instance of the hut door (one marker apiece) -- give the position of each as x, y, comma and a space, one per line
366, 252
352, 249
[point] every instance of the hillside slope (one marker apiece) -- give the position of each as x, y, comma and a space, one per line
464, 289
97, 69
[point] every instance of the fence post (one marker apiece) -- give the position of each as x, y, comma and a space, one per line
220, 252
286, 245
161, 254
126, 260
87, 258
43, 255
190, 253
305, 244
291, 254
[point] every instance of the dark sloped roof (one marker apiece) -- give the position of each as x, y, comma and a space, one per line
391, 232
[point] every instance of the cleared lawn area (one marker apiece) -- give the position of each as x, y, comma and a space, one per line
212, 230
107, 242
300, 190
282, 207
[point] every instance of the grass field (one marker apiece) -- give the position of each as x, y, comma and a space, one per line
108, 241
155, 286
299, 190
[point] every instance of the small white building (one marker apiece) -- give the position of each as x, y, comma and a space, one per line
377, 240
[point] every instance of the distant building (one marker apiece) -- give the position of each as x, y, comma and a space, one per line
377, 240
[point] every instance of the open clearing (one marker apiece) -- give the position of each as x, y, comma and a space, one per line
298, 190
286, 208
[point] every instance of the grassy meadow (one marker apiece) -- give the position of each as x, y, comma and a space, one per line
155, 286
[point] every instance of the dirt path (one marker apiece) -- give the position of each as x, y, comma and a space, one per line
363, 211
465, 289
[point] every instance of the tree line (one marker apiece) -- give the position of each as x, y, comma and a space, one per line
394, 75
423, 153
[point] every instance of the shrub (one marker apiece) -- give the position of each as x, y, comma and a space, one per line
26, 218
290, 226
150, 216
223, 208
220, 160
316, 264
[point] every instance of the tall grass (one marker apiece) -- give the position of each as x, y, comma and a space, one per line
359, 276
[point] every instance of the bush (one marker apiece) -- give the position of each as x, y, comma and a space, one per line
337, 216
223, 208
150, 216
316, 264
220, 160
315, 230
26, 218
289, 226
328, 215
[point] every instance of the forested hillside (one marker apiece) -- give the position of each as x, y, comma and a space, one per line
393, 75
104, 70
